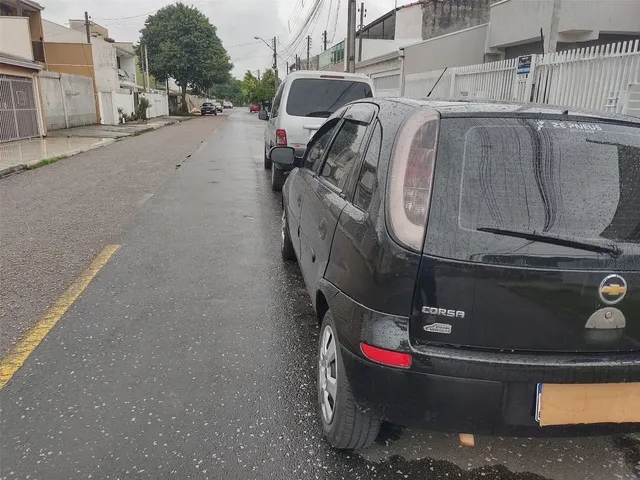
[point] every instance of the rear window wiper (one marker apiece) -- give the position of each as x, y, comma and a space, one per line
612, 250
320, 113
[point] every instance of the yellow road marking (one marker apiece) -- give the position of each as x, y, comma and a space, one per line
21, 351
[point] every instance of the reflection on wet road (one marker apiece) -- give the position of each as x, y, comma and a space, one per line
192, 355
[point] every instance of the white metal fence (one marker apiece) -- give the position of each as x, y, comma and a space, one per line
597, 78
68, 100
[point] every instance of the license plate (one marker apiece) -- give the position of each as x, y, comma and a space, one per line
573, 404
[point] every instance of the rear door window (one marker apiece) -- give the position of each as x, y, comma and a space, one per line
344, 155
320, 97
368, 179
573, 180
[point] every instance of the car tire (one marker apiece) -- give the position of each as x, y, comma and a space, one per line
267, 161
345, 427
286, 248
277, 178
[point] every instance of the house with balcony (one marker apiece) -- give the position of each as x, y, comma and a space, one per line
21, 58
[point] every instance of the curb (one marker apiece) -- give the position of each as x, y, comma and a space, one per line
5, 172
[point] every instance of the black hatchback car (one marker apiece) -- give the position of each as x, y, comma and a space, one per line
475, 267
208, 109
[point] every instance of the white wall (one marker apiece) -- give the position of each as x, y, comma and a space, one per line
105, 64
15, 37
465, 47
55, 33
372, 67
159, 104
68, 100
372, 48
519, 21
124, 100
409, 23
107, 81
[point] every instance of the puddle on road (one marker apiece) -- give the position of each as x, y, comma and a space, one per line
426, 454
15, 153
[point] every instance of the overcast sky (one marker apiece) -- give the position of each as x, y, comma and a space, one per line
238, 21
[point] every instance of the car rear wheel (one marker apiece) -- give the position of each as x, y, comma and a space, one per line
288, 254
277, 178
345, 426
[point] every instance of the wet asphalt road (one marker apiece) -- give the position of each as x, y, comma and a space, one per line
192, 355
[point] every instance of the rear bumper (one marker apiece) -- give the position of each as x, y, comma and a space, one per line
456, 403
462, 390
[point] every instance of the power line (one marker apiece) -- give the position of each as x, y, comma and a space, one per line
201, 3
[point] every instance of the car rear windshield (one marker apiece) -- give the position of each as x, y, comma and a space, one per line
501, 184
207, 104
320, 97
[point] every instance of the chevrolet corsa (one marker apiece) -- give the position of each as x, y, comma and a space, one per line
475, 267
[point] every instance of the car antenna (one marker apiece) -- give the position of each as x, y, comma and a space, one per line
436, 84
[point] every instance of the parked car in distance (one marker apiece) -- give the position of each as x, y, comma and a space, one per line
219, 107
254, 108
208, 108
302, 103
475, 267
227, 104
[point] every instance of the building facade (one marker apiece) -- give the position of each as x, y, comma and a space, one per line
21, 58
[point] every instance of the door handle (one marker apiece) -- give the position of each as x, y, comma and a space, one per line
322, 228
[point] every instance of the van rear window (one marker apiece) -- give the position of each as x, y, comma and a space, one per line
319, 97
577, 181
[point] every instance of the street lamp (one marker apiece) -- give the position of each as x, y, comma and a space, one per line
275, 56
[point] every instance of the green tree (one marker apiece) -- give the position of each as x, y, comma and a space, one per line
259, 91
250, 87
267, 86
231, 90
182, 44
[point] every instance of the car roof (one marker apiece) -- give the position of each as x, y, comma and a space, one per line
477, 108
328, 74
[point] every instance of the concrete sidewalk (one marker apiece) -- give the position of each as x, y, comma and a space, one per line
20, 155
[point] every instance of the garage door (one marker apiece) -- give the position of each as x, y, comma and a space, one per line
18, 114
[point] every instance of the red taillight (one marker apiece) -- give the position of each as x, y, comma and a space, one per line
386, 357
281, 138
412, 178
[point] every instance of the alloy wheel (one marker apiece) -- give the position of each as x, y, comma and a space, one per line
328, 374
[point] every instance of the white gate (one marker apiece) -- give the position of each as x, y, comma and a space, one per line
68, 100
106, 108
18, 110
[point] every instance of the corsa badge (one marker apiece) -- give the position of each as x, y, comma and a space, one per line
612, 289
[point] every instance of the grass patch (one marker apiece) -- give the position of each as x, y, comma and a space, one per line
45, 161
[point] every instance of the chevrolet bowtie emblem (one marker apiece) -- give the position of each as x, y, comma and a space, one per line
612, 289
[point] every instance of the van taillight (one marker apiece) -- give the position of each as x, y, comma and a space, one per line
281, 138
411, 178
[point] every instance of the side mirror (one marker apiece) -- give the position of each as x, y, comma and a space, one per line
283, 155
263, 115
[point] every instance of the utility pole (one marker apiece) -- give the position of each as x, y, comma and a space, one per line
308, 51
143, 67
552, 38
287, 67
297, 64
275, 60
87, 25
324, 40
351, 37
258, 74
18, 8
363, 13
146, 63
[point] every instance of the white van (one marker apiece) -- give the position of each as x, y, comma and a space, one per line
302, 103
